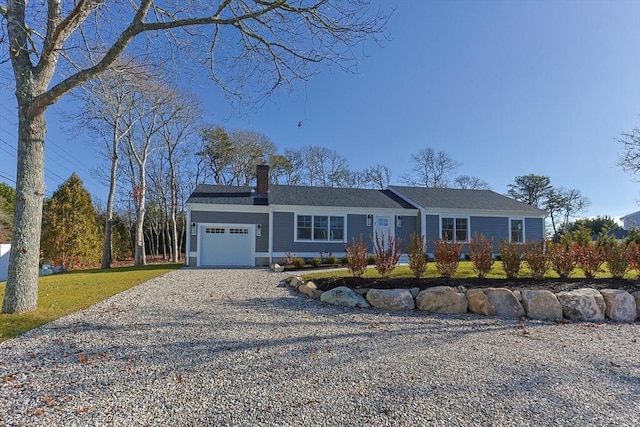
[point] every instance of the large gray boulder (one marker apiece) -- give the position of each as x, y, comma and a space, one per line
345, 297
621, 306
541, 305
585, 305
442, 299
479, 303
636, 296
391, 299
505, 302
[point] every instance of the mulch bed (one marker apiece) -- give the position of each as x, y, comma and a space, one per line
553, 285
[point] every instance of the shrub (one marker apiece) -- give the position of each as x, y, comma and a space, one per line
511, 258
617, 259
288, 258
447, 256
536, 257
589, 258
332, 259
481, 254
417, 255
356, 256
561, 257
344, 260
387, 253
633, 256
316, 262
371, 260
298, 262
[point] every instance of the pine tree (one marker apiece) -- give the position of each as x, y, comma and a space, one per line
70, 230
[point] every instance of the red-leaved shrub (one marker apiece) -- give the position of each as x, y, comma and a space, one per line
536, 257
481, 253
561, 257
417, 255
356, 254
511, 258
589, 258
387, 252
447, 256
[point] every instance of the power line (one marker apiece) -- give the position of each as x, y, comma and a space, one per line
7, 178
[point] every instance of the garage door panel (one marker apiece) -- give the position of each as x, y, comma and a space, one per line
226, 246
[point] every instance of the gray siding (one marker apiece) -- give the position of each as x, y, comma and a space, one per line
432, 230
492, 227
534, 229
262, 242
409, 226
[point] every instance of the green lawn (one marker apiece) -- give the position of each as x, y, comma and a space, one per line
465, 270
62, 294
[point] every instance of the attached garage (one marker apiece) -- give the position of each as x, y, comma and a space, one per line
223, 245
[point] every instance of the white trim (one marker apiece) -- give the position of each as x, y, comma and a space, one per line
193, 254
524, 228
346, 210
188, 240
252, 233
482, 212
468, 218
206, 207
312, 215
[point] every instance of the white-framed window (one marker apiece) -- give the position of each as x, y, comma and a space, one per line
455, 229
324, 228
516, 230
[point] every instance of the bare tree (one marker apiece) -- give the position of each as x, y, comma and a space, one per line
431, 168
325, 167
563, 204
107, 112
471, 183
629, 160
377, 176
273, 43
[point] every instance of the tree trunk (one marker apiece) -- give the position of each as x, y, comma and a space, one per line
21, 294
107, 247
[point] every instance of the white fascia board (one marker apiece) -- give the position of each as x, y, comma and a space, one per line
207, 207
483, 212
345, 210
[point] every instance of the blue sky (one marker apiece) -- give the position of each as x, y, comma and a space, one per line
507, 88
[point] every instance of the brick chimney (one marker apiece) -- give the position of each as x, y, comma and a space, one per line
262, 180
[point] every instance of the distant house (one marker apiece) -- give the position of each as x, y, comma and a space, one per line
247, 226
631, 221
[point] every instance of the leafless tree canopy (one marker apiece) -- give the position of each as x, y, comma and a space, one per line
431, 168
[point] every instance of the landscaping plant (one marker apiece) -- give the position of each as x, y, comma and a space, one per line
617, 259
417, 255
511, 258
387, 252
589, 258
633, 255
481, 254
561, 258
447, 255
537, 259
332, 259
316, 262
298, 262
356, 256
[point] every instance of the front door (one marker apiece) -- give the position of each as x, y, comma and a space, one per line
383, 228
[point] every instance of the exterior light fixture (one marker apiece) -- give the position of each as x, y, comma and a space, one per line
194, 229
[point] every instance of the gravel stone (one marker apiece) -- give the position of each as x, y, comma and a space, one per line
232, 347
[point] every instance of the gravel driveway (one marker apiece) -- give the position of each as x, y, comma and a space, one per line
231, 347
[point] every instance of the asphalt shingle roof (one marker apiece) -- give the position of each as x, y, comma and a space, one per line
301, 196
454, 198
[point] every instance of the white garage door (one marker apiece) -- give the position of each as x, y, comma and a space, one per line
226, 245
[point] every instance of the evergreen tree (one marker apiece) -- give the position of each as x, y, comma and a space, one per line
7, 205
70, 231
